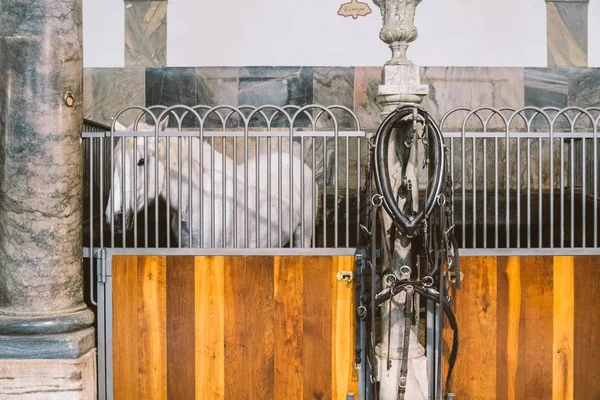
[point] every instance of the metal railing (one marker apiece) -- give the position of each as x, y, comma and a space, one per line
540, 192
234, 188
525, 178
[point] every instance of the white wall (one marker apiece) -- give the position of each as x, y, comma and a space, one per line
594, 33
309, 32
103, 33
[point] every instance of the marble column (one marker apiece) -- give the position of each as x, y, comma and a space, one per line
45, 327
400, 85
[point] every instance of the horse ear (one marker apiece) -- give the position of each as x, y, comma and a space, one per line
119, 126
162, 126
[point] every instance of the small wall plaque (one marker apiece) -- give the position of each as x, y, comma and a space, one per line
354, 9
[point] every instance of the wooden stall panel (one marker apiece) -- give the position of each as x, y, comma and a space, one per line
586, 385
233, 328
140, 333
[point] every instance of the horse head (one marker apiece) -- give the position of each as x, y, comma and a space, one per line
134, 161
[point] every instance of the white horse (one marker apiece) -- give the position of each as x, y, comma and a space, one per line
214, 224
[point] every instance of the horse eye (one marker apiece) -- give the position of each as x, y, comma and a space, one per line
141, 162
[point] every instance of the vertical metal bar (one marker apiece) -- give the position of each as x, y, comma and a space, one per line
269, 194
190, 190
474, 190
348, 194
463, 174
179, 191
430, 351
101, 332
212, 193
90, 142
551, 158
315, 188
584, 189
145, 192
124, 205
485, 190
257, 189
336, 183
280, 191
201, 183
156, 156
101, 196
324, 191
168, 191
596, 165
303, 194
291, 184
135, 227
109, 331
540, 188
562, 193
507, 183
496, 189
572, 167
246, 213
529, 191
235, 192
518, 156
358, 185
224, 196
112, 185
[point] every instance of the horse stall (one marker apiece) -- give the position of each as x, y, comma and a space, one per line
178, 319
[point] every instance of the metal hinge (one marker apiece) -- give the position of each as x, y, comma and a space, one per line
101, 265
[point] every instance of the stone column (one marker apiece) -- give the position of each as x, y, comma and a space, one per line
401, 84
46, 334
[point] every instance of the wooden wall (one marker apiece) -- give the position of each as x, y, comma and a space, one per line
232, 328
282, 328
529, 328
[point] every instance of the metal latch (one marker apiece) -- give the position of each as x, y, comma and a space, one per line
345, 276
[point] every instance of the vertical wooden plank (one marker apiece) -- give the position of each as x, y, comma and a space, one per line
125, 327
288, 286
502, 330
535, 363
586, 385
513, 274
342, 333
209, 304
563, 328
152, 328
259, 327
474, 376
237, 383
317, 340
181, 339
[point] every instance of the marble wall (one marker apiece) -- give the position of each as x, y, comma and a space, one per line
108, 90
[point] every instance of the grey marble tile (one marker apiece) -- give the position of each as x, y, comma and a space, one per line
472, 87
584, 91
335, 86
88, 93
584, 87
277, 86
114, 89
545, 87
218, 86
146, 34
172, 86
366, 83
567, 32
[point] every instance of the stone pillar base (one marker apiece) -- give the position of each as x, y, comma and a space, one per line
49, 379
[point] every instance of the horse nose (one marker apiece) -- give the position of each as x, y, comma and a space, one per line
118, 221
